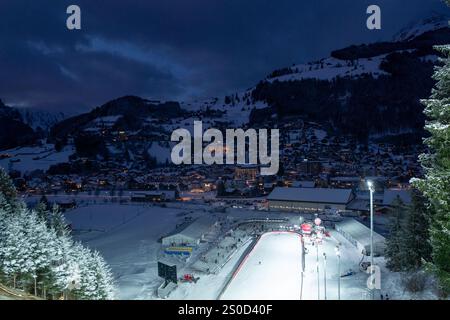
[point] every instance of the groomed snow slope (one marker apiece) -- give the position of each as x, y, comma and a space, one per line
278, 277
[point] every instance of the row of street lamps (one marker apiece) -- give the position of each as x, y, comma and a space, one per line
371, 188
338, 254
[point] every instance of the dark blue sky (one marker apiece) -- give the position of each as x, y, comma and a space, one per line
174, 49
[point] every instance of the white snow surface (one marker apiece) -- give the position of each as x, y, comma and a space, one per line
272, 270
418, 28
330, 68
28, 159
126, 235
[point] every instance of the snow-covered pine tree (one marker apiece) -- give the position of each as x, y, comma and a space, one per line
41, 210
436, 163
86, 286
416, 245
394, 242
95, 280
5, 205
104, 278
57, 221
7, 188
15, 248
39, 255
43, 244
66, 270
54, 218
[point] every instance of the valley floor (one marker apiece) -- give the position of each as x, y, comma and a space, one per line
127, 236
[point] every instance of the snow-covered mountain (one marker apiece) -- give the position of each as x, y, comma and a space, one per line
40, 119
366, 59
330, 68
364, 90
418, 28
378, 78
14, 131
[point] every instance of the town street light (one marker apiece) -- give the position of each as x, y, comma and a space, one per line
325, 274
338, 254
371, 191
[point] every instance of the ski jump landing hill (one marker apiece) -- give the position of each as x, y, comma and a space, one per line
272, 270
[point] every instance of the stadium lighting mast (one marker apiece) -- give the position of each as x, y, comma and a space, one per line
325, 275
338, 254
371, 187
317, 269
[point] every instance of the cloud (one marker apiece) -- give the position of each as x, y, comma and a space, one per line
173, 49
159, 58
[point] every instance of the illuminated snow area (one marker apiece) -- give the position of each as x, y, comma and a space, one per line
271, 271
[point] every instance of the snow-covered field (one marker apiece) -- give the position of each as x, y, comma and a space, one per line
27, 159
126, 235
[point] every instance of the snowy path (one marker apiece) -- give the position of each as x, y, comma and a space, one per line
277, 277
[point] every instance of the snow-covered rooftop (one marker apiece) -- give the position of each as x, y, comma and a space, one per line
320, 195
198, 228
358, 232
303, 184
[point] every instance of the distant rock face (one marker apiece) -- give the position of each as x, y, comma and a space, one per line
14, 132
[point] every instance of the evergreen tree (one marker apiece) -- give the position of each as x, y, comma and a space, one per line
41, 210
416, 246
57, 221
7, 188
15, 248
66, 270
394, 244
5, 205
37, 253
104, 278
42, 242
86, 287
436, 163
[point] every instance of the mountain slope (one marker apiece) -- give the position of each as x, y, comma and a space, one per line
40, 120
14, 131
360, 90
369, 90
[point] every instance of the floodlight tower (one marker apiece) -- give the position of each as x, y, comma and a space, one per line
371, 187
